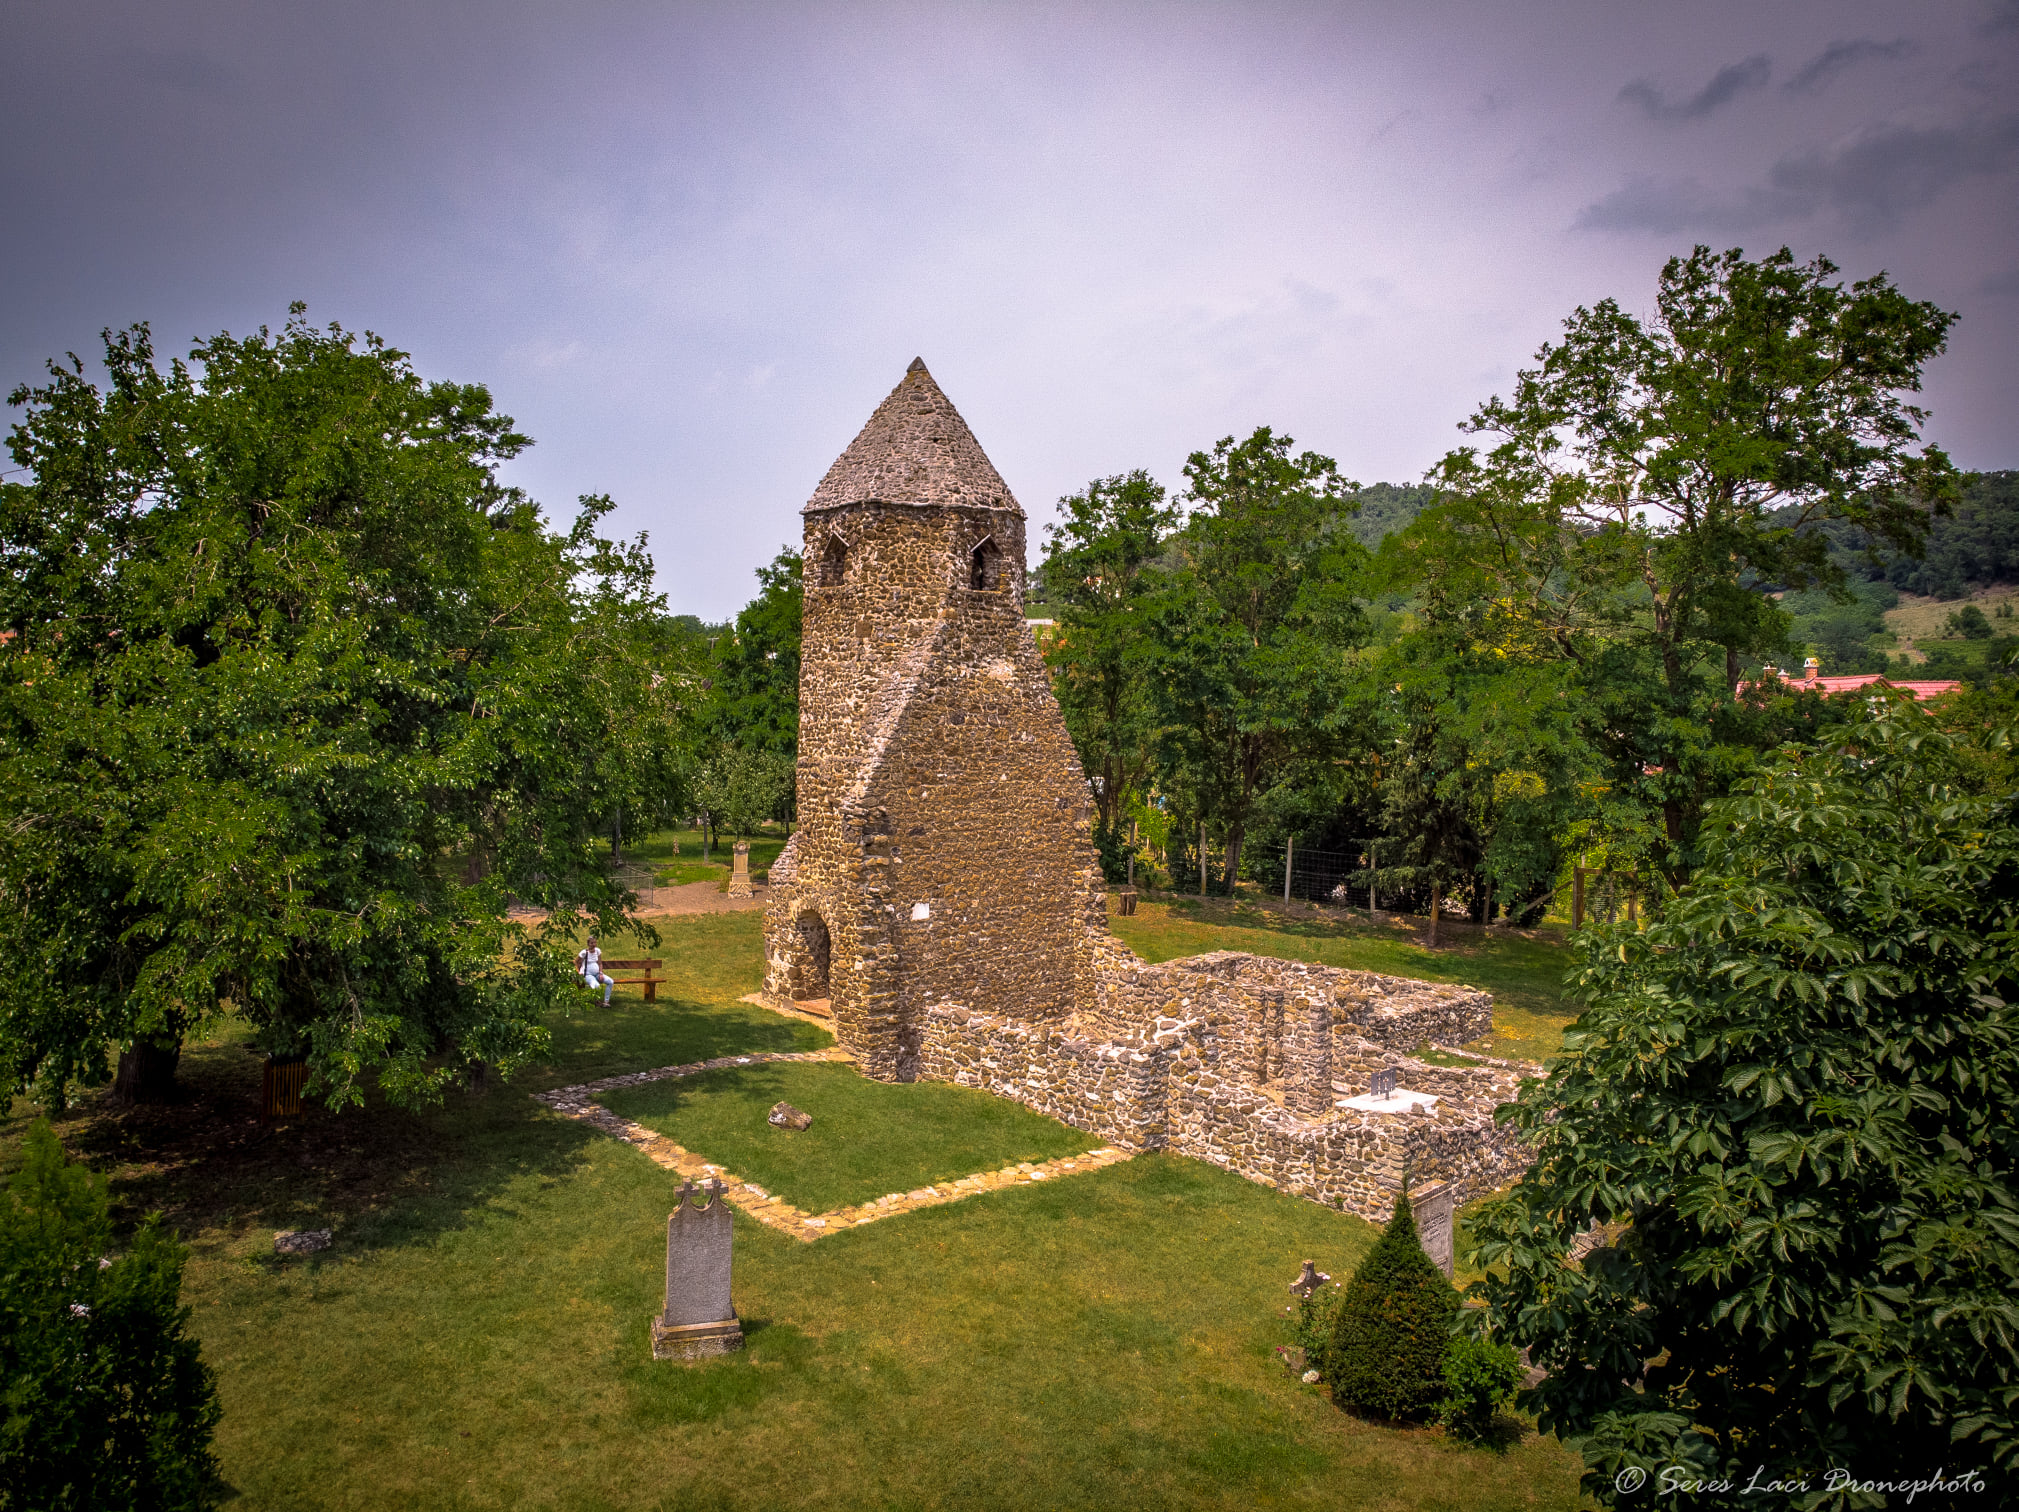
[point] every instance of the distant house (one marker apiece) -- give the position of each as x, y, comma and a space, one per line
1812, 680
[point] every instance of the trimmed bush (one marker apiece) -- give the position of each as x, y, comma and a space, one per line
105, 1401
1480, 1377
1394, 1327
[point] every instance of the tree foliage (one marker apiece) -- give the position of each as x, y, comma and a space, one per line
1252, 626
1647, 478
1100, 575
298, 696
753, 669
105, 1401
1793, 1088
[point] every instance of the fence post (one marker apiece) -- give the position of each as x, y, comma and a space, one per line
1202, 858
1289, 850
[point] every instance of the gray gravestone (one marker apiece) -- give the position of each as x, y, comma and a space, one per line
739, 872
1383, 1084
1432, 1204
698, 1320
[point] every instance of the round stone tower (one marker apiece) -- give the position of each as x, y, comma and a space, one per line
943, 855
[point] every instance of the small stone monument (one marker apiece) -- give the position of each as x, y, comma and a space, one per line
785, 1116
739, 872
1432, 1203
698, 1321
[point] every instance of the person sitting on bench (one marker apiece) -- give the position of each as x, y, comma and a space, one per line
589, 962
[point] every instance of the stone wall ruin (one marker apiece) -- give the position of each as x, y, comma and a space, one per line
942, 897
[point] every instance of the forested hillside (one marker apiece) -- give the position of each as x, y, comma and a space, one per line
1973, 548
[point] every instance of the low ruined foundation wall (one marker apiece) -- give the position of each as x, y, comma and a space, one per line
1217, 1068
1117, 1091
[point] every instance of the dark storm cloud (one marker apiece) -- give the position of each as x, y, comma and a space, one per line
1870, 183
1838, 56
1726, 85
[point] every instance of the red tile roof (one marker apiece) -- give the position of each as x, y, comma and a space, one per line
1919, 688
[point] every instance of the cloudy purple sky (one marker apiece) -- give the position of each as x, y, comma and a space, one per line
690, 247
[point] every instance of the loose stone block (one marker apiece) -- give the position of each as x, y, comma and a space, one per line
698, 1321
784, 1116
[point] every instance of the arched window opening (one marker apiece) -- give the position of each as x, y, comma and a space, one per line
834, 563
985, 567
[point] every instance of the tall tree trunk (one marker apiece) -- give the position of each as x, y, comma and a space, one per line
147, 1072
617, 838
1436, 898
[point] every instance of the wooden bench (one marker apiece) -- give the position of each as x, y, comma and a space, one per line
648, 981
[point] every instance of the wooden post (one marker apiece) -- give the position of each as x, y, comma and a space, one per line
1577, 897
1289, 850
1202, 858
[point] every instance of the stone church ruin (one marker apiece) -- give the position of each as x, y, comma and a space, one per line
942, 901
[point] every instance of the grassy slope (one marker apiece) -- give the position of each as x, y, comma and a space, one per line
1524, 975
476, 1338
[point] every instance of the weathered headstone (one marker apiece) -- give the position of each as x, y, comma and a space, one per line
739, 872
1432, 1204
1383, 1084
785, 1116
698, 1321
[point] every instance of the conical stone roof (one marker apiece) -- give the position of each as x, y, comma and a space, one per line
916, 449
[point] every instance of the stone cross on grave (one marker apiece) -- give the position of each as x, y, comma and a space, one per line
698, 1321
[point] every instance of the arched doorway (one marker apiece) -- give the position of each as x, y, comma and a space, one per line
809, 971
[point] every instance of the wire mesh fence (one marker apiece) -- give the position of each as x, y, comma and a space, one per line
1358, 879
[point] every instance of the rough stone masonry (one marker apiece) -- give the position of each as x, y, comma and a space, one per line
943, 897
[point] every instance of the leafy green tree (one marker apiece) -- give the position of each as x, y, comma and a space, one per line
1647, 477
753, 698
1252, 627
1393, 1326
1969, 623
738, 787
1100, 573
1790, 1097
298, 697
105, 1401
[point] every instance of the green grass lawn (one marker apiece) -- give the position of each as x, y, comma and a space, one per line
867, 1138
675, 855
1525, 976
476, 1338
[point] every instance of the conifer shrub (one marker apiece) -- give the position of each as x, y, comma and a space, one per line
1394, 1327
105, 1401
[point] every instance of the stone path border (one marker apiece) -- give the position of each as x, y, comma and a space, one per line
578, 1102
